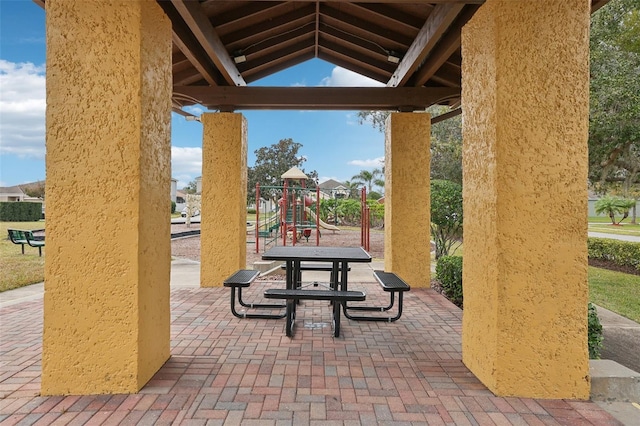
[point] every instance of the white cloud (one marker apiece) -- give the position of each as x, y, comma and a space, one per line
341, 77
186, 164
369, 163
22, 109
196, 110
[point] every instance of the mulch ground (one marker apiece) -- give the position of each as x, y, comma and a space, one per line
606, 264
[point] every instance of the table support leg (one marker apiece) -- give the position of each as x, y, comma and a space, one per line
336, 318
291, 304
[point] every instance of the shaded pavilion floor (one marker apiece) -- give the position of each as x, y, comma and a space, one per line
225, 370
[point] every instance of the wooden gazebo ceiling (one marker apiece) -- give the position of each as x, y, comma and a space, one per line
225, 45
412, 47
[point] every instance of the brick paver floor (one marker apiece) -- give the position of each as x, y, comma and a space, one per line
225, 370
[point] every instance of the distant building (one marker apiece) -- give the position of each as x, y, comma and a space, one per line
174, 189
11, 193
333, 189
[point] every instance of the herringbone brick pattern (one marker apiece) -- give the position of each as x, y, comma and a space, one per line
225, 370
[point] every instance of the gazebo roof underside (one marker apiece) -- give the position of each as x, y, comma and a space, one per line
412, 47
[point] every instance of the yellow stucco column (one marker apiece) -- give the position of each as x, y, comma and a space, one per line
525, 124
106, 302
407, 197
223, 241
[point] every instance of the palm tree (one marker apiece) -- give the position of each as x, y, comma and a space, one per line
368, 178
612, 206
352, 187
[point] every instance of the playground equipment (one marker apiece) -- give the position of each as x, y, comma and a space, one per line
292, 217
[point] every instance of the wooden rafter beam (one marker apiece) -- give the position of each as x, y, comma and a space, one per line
231, 98
447, 45
189, 47
446, 116
193, 15
437, 23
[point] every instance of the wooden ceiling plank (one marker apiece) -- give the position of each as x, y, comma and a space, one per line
268, 27
247, 10
192, 13
348, 64
317, 98
317, 31
365, 26
300, 57
426, 2
277, 54
183, 38
436, 25
391, 14
353, 40
367, 61
186, 77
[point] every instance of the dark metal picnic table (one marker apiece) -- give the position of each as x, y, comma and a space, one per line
339, 258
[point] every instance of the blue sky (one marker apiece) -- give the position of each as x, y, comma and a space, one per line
334, 143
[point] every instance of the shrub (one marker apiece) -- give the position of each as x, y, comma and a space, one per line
446, 215
173, 207
19, 211
595, 333
251, 210
623, 253
449, 273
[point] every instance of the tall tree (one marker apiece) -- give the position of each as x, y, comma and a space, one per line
614, 119
367, 178
272, 162
191, 188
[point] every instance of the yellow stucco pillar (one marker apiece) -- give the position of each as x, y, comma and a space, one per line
106, 302
407, 197
223, 242
525, 124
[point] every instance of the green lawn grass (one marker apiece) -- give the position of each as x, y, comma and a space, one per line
615, 291
606, 219
16, 269
623, 229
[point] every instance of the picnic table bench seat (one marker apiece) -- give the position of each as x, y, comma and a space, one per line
22, 237
390, 283
301, 294
243, 279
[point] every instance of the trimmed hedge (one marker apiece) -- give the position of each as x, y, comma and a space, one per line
20, 211
449, 273
623, 253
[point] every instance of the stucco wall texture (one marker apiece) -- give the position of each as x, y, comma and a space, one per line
407, 251
223, 242
106, 303
525, 124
